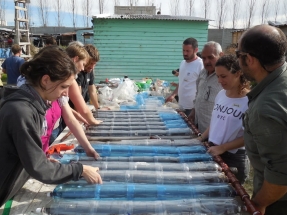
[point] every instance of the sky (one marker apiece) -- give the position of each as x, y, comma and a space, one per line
163, 5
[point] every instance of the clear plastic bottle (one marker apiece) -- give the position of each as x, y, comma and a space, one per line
68, 158
218, 206
147, 192
129, 150
209, 166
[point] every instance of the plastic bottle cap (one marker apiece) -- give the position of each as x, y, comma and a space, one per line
38, 210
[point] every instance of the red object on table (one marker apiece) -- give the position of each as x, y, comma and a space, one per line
58, 148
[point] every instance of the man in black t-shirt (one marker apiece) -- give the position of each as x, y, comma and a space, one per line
85, 78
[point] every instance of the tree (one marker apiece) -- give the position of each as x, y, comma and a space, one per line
2, 11
174, 7
235, 11
189, 6
102, 5
206, 7
264, 10
250, 12
58, 9
117, 2
86, 6
43, 12
133, 2
285, 9
72, 7
149, 2
221, 13
276, 8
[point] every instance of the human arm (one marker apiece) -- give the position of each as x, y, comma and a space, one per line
94, 96
204, 136
174, 93
220, 149
4, 71
79, 117
80, 105
268, 194
78, 131
270, 137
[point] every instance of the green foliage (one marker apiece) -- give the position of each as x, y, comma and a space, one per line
4, 77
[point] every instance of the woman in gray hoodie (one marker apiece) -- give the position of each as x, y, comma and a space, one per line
49, 75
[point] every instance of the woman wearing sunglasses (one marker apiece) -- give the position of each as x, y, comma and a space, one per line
225, 132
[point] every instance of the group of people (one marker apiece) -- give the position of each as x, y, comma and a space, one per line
242, 125
28, 114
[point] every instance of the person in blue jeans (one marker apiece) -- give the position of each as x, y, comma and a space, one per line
11, 66
225, 132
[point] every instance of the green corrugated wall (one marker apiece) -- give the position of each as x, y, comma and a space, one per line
142, 48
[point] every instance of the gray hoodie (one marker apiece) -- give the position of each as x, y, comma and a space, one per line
21, 118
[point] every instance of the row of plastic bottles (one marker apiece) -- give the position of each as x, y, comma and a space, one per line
152, 142
128, 150
68, 158
159, 177
214, 206
150, 132
143, 192
209, 166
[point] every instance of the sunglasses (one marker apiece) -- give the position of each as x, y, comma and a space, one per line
239, 53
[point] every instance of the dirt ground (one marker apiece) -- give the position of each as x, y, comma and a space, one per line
248, 185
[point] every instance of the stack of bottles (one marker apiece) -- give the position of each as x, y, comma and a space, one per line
139, 123
144, 101
145, 176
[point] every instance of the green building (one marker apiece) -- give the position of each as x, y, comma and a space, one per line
141, 46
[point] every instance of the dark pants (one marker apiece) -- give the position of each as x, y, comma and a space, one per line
240, 161
187, 111
279, 207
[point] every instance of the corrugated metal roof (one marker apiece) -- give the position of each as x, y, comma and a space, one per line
277, 24
156, 17
238, 30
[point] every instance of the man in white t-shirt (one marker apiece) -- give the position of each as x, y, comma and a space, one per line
189, 69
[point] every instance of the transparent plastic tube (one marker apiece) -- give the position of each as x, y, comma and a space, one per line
128, 123
221, 206
209, 166
143, 119
152, 142
128, 128
171, 131
68, 158
125, 116
159, 177
128, 150
145, 192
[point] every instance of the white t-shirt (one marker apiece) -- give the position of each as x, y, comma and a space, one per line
226, 119
188, 74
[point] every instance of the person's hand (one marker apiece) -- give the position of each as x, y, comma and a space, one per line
191, 116
91, 175
216, 150
81, 119
169, 99
96, 122
173, 84
53, 160
259, 207
91, 152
